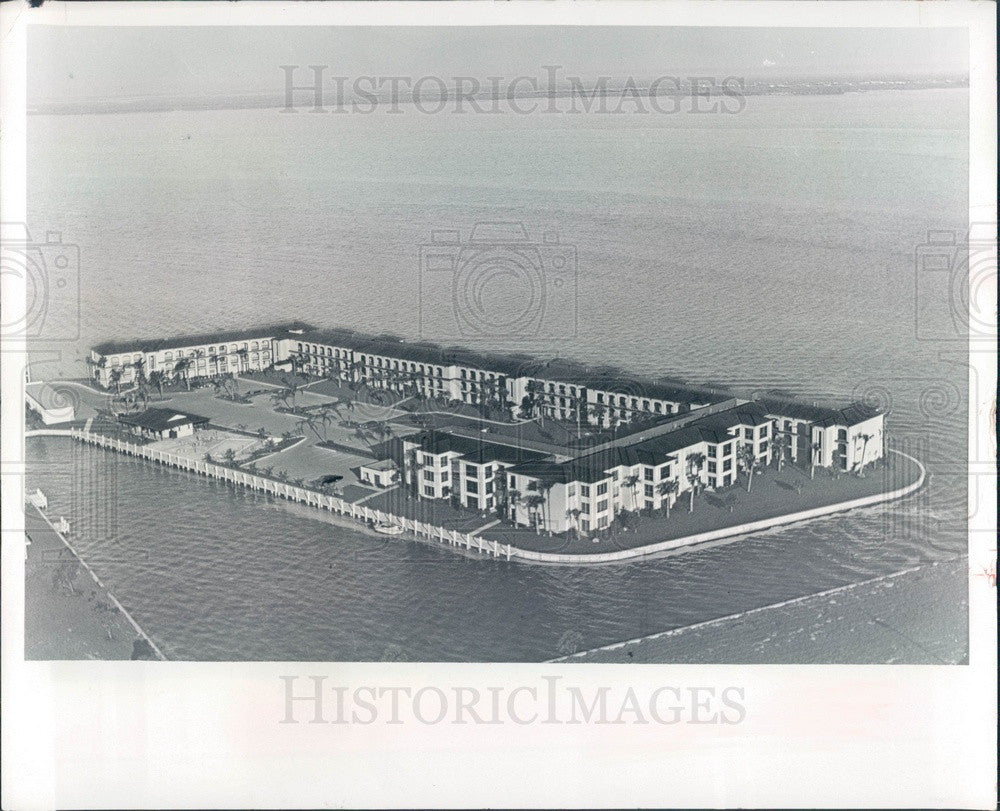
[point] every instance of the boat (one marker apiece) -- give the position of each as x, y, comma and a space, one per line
389, 529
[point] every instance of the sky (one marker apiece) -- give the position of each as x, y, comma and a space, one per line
79, 63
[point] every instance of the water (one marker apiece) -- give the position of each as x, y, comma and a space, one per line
770, 249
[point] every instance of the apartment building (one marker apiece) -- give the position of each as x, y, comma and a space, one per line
121, 363
465, 469
845, 439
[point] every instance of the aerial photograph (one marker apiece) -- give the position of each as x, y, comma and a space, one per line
603, 344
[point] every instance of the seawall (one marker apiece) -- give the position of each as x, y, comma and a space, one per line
467, 542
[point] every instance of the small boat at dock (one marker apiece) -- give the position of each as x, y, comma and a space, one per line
388, 529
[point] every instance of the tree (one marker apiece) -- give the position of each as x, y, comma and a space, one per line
864, 450
631, 483
574, 515
545, 488
695, 462
780, 445
156, 379
597, 411
748, 461
115, 378
513, 499
230, 456
139, 367
815, 448
182, 368
289, 392
534, 502
667, 489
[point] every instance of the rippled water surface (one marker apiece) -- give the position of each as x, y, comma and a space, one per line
774, 249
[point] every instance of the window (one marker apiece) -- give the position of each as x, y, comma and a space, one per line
585, 491
763, 447
648, 491
571, 491
602, 505
711, 451
602, 522
711, 467
648, 474
764, 430
429, 475
602, 488
428, 490
727, 465
585, 525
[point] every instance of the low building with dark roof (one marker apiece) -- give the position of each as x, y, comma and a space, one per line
383, 473
162, 423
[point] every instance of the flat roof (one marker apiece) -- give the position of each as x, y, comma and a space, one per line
823, 416
380, 465
160, 419
472, 449
176, 341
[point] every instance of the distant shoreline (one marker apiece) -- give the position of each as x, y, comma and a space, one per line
276, 100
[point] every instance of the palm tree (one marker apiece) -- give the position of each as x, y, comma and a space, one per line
597, 412
156, 379
545, 488
326, 419
244, 356
534, 501
199, 355
864, 448
695, 463
779, 446
289, 391
140, 369
631, 483
513, 499
816, 447
115, 378
182, 368
574, 516
667, 489
748, 461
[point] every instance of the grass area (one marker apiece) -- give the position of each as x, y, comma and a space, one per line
772, 494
